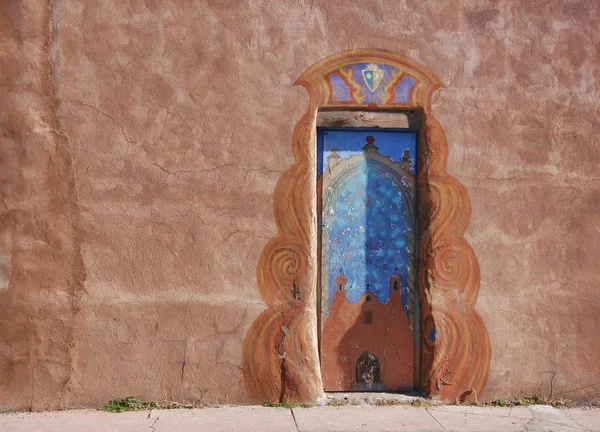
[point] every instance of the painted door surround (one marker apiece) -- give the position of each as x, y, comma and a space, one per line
280, 357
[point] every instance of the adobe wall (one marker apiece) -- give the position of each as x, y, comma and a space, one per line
142, 141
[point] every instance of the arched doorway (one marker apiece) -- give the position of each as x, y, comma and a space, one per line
368, 374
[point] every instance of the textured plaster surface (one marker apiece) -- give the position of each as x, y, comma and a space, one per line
141, 144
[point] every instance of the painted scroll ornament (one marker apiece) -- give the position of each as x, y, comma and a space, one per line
280, 353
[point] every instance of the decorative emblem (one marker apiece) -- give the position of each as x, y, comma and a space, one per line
373, 76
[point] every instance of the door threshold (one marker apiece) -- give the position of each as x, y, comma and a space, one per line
378, 399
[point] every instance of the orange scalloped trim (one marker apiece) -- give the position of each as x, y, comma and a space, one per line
280, 356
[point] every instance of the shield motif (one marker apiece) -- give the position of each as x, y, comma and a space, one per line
372, 76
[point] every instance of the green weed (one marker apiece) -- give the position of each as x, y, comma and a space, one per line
421, 403
526, 401
501, 403
286, 404
128, 404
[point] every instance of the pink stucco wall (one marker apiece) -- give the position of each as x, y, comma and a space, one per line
141, 144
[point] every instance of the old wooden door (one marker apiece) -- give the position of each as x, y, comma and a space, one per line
368, 301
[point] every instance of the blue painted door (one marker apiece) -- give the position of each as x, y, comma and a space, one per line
368, 301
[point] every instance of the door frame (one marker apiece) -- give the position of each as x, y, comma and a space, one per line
372, 121
280, 356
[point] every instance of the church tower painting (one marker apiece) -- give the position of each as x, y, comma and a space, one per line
368, 293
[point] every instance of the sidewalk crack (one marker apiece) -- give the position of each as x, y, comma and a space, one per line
294, 418
436, 420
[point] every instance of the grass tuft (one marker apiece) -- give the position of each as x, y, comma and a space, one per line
132, 404
128, 404
424, 403
286, 404
526, 401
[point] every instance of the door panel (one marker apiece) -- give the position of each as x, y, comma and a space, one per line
369, 307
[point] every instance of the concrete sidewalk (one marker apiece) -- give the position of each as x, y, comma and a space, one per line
317, 419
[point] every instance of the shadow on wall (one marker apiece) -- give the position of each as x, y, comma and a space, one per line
374, 352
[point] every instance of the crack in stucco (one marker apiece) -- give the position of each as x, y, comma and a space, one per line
226, 335
32, 389
71, 208
107, 115
517, 178
215, 168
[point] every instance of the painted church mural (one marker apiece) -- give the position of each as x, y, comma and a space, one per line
366, 181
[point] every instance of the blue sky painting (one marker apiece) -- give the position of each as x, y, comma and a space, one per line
366, 225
